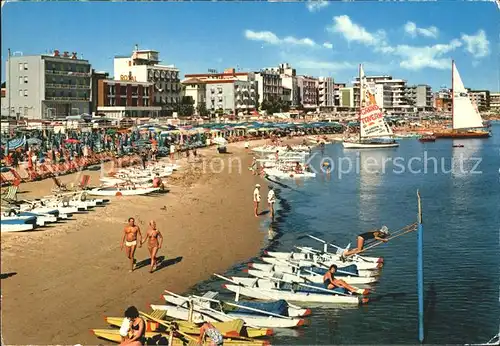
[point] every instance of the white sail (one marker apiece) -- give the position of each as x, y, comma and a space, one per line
372, 118
464, 114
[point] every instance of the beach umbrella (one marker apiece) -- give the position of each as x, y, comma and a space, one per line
34, 141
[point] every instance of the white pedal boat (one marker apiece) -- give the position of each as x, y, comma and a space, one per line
361, 267
309, 276
275, 172
122, 191
289, 267
205, 308
17, 223
353, 258
274, 289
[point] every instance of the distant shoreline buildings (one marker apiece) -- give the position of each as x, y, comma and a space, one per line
62, 84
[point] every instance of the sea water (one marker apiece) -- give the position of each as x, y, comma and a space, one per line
460, 189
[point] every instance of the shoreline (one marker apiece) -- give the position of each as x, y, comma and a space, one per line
75, 269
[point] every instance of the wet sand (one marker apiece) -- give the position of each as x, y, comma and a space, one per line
71, 274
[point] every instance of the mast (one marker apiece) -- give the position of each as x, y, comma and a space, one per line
9, 89
452, 91
360, 99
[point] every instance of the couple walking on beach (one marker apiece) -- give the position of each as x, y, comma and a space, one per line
132, 236
271, 199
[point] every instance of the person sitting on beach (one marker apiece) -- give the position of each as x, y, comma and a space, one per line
298, 168
208, 330
331, 282
380, 235
157, 182
271, 199
256, 199
155, 240
135, 334
130, 234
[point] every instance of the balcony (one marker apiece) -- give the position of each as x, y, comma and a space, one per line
67, 86
66, 98
68, 73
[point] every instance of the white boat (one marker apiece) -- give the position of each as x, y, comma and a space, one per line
17, 223
287, 174
206, 308
306, 276
286, 266
374, 131
324, 259
298, 292
122, 191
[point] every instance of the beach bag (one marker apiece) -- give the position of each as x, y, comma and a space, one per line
125, 327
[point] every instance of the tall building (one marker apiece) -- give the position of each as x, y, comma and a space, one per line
94, 90
308, 94
419, 96
229, 92
288, 77
325, 87
196, 89
336, 93
120, 99
143, 66
495, 102
393, 89
48, 86
480, 98
269, 84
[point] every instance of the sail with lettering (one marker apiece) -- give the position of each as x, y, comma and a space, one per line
464, 114
372, 121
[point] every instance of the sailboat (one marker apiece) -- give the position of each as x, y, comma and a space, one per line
374, 131
466, 120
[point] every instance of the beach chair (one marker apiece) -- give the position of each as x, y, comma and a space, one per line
59, 187
10, 195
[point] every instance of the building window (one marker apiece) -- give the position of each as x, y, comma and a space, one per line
25, 92
26, 66
21, 66
21, 80
26, 79
21, 92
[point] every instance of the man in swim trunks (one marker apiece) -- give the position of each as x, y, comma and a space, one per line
130, 233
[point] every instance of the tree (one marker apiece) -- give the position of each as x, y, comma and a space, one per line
185, 108
202, 109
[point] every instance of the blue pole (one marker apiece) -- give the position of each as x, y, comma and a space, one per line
420, 273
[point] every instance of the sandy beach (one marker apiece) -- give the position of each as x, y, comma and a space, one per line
71, 274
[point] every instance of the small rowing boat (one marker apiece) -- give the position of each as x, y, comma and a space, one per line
17, 223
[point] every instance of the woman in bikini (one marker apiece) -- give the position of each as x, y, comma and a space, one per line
136, 334
155, 240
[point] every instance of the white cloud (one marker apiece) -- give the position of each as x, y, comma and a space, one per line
411, 57
328, 45
354, 32
316, 5
413, 30
477, 45
272, 38
323, 65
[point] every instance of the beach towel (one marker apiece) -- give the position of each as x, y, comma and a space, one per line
125, 327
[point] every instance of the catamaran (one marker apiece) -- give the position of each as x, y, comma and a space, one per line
374, 132
466, 121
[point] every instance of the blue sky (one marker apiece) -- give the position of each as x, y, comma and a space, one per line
411, 40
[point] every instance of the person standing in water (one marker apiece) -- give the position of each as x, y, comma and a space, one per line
155, 241
130, 234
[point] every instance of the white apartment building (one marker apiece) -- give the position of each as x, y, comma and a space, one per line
229, 92
308, 94
396, 88
325, 87
143, 66
289, 81
495, 102
480, 98
196, 89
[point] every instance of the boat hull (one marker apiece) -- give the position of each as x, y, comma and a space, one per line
16, 227
354, 145
462, 135
122, 192
305, 260
306, 278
